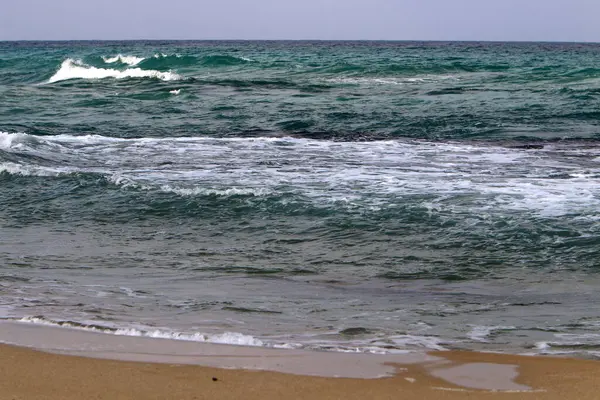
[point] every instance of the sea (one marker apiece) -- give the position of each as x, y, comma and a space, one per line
368, 197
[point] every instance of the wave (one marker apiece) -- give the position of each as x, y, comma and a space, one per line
409, 68
28, 170
76, 69
231, 338
392, 80
275, 83
118, 179
424, 174
165, 61
224, 61
18, 140
395, 344
242, 191
571, 344
129, 60
480, 333
7, 139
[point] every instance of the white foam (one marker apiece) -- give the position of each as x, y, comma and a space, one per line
542, 345
32, 170
480, 333
130, 292
485, 179
163, 55
317, 363
129, 60
76, 69
15, 169
569, 343
232, 338
392, 80
81, 140
175, 91
10, 140
426, 342
241, 191
404, 342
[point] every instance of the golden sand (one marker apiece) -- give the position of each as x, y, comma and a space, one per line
28, 374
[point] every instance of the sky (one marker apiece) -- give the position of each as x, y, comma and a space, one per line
506, 20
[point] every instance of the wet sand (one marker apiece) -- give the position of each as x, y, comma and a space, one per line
30, 374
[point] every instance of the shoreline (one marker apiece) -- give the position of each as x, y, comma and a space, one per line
33, 374
101, 366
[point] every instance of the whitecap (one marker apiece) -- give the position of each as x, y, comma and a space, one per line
9, 140
32, 170
129, 60
76, 69
163, 55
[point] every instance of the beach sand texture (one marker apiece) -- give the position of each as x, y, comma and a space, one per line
30, 374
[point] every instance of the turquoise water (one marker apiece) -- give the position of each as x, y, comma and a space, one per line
364, 196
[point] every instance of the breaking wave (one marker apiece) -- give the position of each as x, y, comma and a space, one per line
76, 69
129, 60
510, 179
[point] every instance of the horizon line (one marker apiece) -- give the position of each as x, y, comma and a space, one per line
304, 40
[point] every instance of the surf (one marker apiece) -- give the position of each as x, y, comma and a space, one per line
77, 69
129, 60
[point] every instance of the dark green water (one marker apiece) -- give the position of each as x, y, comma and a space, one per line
335, 195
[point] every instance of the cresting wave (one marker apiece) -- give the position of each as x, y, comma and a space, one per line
161, 61
129, 60
77, 69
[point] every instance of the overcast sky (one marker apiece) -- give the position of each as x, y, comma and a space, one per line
531, 20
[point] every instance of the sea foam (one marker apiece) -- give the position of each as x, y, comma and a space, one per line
129, 60
481, 333
76, 69
232, 338
494, 178
400, 344
6, 139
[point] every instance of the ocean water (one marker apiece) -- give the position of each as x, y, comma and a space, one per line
342, 196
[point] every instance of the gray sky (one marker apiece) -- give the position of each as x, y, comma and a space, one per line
543, 20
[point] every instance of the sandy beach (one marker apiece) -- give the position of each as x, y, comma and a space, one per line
31, 374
